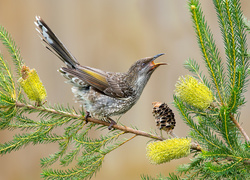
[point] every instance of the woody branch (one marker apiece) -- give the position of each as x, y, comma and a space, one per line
125, 129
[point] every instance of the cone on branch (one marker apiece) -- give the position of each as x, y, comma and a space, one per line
164, 116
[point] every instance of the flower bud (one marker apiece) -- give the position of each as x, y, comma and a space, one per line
164, 151
193, 7
194, 93
32, 85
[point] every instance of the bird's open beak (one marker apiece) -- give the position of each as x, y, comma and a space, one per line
155, 65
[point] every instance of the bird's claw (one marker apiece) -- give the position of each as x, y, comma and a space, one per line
87, 116
112, 123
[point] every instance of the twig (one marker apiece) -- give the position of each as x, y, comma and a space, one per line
239, 127
125, 129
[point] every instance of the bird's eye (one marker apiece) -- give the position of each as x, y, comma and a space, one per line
143, 64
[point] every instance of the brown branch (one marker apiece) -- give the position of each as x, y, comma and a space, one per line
239, 127
125, 129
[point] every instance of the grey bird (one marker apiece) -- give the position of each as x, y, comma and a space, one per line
102, 94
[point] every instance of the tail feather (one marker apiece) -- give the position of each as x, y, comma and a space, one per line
53, 44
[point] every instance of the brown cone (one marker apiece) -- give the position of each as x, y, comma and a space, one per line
164, 117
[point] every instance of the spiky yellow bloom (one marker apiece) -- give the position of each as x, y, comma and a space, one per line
164, 151
32, 85
194, 93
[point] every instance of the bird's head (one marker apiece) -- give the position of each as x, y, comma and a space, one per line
142, 69
145, 66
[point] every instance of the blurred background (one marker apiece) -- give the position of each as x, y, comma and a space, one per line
110, 35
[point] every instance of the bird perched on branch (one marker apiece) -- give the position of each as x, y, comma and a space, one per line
102, 94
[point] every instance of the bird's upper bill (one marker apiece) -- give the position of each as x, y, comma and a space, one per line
155, 65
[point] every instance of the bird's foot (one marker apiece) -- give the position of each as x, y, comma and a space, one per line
87, 116
112, 123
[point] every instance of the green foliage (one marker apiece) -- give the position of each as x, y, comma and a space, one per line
10, 45
160, 177
216, 128
8, 91
146, 177
209, 50
89, 152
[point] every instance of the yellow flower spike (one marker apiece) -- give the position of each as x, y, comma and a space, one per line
164, 151
194, 93
32, 85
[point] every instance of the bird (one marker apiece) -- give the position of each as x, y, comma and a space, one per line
102, 94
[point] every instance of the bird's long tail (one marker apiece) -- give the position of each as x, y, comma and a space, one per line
54, 44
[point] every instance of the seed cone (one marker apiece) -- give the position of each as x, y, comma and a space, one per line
164, 116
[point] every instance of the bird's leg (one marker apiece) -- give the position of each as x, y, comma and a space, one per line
87, 116
112, 123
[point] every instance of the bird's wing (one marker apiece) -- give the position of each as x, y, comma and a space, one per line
118, 86
100, 80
